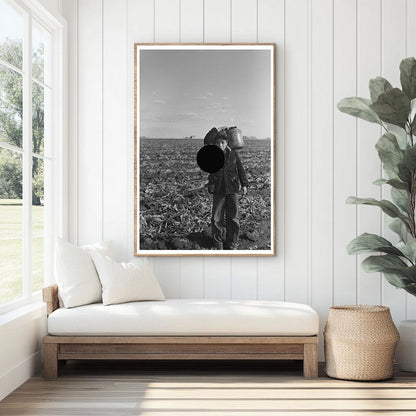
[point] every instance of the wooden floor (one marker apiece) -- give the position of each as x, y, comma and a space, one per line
226, 389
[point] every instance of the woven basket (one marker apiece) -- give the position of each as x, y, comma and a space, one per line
360, 341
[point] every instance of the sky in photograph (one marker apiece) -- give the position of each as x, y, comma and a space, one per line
187, 92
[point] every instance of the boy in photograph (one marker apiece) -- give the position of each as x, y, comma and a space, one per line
225, 186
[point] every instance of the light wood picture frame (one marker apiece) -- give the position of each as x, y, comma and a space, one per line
181, 92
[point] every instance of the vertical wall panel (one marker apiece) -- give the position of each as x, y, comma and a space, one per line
217, 278
114, 125
411, 28
192, 278
70, 11
321, 165
345, 152
140, 21
140, 30
315, 69
168, 272
217, 21
244, 21
244, 29
167, 20
192, 21
192, 30
393, 51
167, 29
411, 51
394, 38
244, 278
271, 29
296, 152
369, 167
217, 29
90, 183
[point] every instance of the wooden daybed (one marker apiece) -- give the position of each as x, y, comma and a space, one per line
59, 348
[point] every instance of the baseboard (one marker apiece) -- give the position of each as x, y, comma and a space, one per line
10, 380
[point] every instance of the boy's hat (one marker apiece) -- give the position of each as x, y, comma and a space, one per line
211, 136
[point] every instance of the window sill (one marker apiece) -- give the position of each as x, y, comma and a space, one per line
33, 306
20, 302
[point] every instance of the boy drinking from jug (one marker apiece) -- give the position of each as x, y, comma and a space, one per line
225, 186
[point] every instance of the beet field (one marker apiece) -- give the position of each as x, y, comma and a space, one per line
175, 206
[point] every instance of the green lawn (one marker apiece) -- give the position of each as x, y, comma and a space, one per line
11, 249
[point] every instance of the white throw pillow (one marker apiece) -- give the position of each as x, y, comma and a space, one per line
126, 282
75, 273
103, 247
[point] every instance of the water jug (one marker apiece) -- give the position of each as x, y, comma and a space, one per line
235, 138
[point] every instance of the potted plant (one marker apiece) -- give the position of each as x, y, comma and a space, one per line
394, 109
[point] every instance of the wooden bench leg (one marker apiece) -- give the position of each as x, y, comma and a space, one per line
50, 360
310, 360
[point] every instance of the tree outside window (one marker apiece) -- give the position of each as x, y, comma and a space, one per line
24, 61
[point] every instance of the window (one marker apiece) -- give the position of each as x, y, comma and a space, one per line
31, 140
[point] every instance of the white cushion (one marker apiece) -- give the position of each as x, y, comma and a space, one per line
75, 273
187, 317
126, 282
103, 247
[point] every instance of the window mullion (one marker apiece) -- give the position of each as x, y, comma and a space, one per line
10, 66
27, 157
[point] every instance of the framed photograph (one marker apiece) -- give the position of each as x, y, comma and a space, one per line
204, 124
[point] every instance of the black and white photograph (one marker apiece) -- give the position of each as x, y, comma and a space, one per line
204, 150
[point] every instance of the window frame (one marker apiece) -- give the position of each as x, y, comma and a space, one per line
57, 225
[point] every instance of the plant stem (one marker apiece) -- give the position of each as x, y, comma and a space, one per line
412, 196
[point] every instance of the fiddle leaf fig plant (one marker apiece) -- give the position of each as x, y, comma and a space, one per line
394, 109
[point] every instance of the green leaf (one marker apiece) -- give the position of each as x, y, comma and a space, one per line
366, 243
400, 228
389, 151
378, 86
408, 77
381, 263
389, 208
397, 280
411, 289
359, 107
408, 249
392, 107
410, 158
395, 183
400, 198
380, 182
390, 173
410, 272
398, 184
412, 109
404, 173
396, 271
401, 137
412, 116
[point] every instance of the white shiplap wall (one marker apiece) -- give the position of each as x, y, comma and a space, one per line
326, 50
